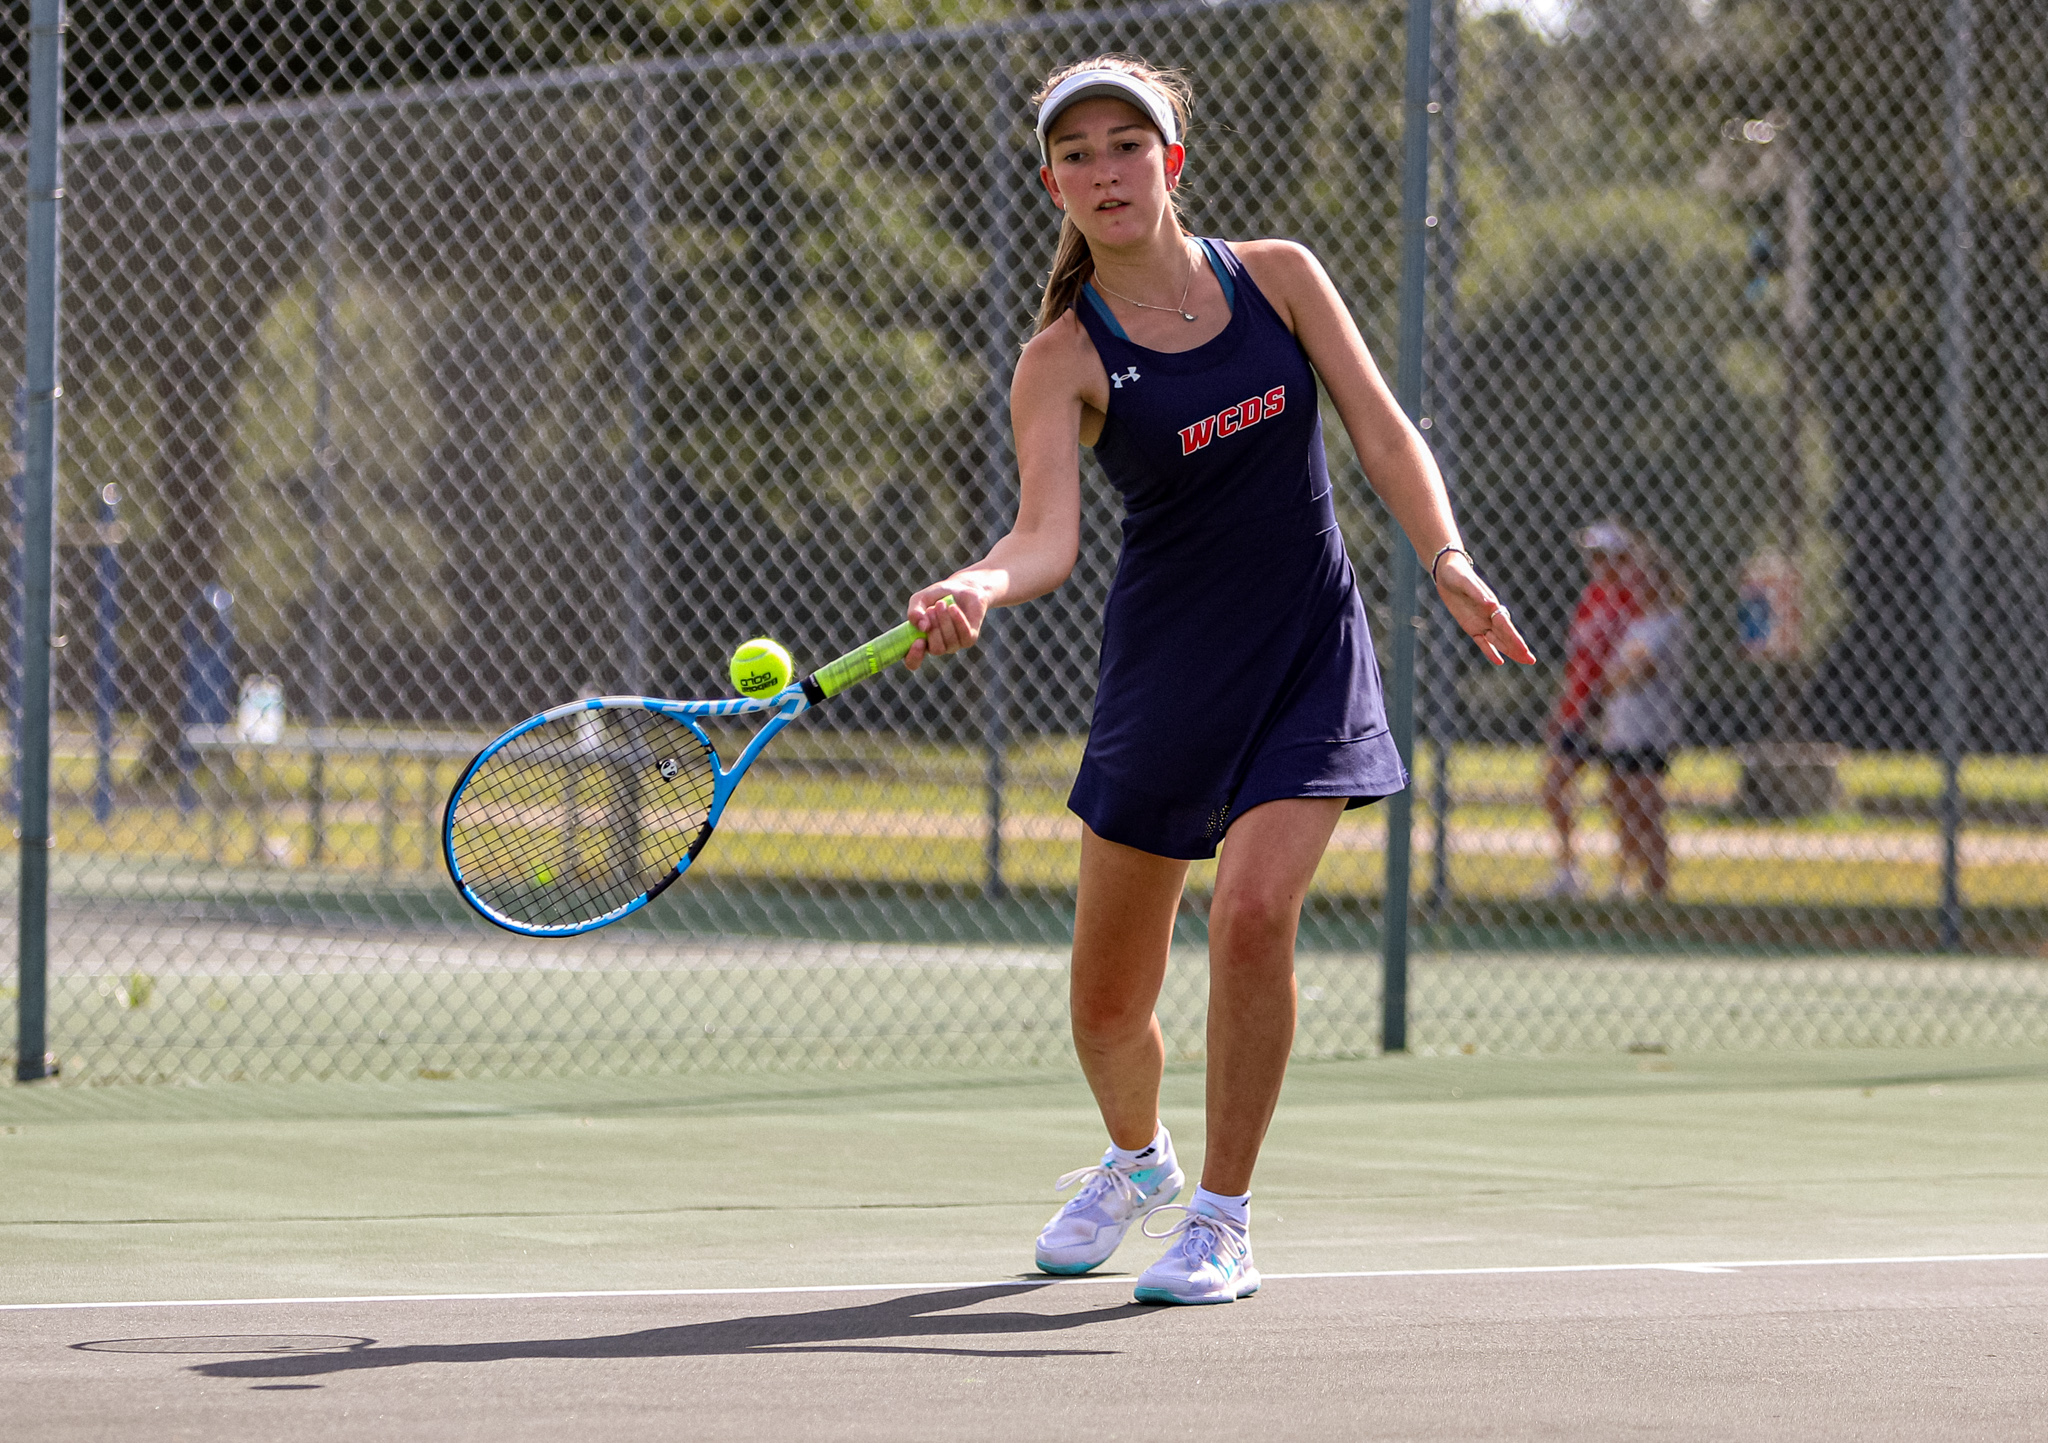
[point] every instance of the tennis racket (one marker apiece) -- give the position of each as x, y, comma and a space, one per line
586, 813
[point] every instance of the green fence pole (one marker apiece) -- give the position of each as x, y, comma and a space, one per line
999, 355
1445, 373
1952, 605
1407, 568
326, 285
45, 192
638, 674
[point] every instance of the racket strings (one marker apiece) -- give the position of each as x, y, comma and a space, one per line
582, 815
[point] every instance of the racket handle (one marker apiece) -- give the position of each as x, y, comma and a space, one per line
868, 659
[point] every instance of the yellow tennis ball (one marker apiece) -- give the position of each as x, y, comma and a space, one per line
544, 874
761, 668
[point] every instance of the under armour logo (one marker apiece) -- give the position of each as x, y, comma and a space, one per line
1117, 379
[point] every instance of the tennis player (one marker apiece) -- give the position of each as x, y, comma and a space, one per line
1239, 701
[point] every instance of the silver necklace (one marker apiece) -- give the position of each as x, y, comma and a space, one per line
1182, 308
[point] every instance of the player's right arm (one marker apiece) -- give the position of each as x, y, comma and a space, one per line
1057, 398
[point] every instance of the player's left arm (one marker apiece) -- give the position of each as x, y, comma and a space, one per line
1396, 461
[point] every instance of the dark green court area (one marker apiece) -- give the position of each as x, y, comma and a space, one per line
910, 1197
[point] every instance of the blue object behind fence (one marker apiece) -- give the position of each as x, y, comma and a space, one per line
209, 635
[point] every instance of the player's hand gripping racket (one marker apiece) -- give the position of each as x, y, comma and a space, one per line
584, 814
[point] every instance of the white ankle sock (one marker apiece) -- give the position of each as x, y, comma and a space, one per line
1216, 1204
1157, 1150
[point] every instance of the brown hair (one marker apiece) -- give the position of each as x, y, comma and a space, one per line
1657, 564
1072, 265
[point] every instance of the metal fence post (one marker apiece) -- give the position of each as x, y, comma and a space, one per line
1953, 605
1445, 357
17, 486
639, 299
45, 193
322, 506
106, 650
1407, 568
995, 450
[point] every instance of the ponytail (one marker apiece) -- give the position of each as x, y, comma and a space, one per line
1072, 265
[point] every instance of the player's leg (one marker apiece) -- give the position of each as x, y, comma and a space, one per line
1562, 764
1261, 880
1623, 806
1653, 838
1123, 930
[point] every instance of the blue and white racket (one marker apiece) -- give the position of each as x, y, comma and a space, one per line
584, 814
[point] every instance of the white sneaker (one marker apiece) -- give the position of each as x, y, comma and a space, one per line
1087, 1230
1209, 1261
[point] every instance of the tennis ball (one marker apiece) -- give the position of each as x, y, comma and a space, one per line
760, 668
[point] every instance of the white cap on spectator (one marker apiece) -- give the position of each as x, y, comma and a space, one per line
1603, 536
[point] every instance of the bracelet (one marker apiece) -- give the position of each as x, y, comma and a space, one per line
1443, 551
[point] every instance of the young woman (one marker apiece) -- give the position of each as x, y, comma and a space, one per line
1644, 719
1239, 697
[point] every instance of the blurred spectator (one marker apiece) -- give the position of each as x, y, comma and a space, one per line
1572, 739
1643, 718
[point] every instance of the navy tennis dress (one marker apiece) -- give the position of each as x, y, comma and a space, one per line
1237, 667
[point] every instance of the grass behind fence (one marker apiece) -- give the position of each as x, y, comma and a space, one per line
842, 808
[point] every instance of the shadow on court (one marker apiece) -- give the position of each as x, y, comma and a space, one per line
862, 1328
1832, 1352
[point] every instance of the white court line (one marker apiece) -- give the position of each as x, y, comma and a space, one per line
1030, 1283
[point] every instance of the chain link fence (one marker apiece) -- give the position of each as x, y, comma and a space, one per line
418, 377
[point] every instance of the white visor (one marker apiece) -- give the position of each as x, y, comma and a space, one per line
1604, 536
1086, 84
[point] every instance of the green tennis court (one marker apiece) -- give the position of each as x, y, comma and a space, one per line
1657, 1246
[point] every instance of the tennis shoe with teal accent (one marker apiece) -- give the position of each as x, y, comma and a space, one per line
1109, 1199
1209, 1260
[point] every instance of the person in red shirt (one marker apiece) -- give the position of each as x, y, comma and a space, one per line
1572, 737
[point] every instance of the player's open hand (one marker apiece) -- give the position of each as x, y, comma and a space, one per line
1478, 611
950, 616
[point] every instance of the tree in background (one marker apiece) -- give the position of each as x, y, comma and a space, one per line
1868, 80
1606, 353
1622, 354
816, 319
199, 254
